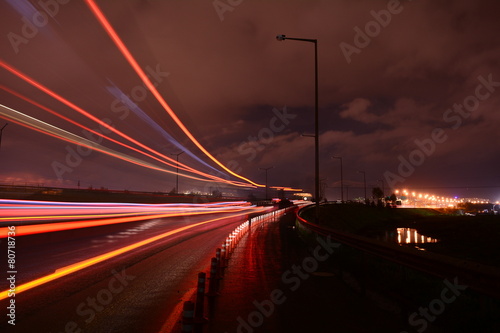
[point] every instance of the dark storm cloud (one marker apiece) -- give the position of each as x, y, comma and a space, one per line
226, 76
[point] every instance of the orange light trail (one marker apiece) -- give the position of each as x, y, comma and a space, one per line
128, 56
65, 136
61, 99
181, 165
92, 261
61, 214
24, 230
286, 188
84, 127
64, 217
87, 217
20, 119
22, 210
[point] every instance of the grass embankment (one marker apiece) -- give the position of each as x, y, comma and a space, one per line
364, 219
475, 238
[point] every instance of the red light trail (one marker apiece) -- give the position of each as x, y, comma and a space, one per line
58, 133
40, 126
100, 122
181, 165
128, 56
63, 271
23, 211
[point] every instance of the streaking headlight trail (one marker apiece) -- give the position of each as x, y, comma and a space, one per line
69, 269
30, 215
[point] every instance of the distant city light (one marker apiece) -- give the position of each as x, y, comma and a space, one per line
414, 199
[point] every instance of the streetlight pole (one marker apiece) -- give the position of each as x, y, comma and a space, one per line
316, 118
266, 169
364, 181
177, 171
1, 132
341, 179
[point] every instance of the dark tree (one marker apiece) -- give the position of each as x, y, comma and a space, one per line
377, 193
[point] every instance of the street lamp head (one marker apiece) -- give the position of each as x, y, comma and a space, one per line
281, 37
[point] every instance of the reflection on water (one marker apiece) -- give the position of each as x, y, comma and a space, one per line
407, 236
411, 236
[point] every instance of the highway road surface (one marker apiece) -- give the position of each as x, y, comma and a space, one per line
111, 277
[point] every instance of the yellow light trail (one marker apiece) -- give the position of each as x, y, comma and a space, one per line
95, 260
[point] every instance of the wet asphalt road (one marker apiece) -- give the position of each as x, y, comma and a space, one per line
134, 292
272, 286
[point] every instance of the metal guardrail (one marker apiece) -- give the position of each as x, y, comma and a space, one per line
482, 278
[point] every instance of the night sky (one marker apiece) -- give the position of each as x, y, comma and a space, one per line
409, 92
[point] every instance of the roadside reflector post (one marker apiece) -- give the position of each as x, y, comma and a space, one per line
228, 247
219, 263
188, 317
213, 281
223, 256
199, 310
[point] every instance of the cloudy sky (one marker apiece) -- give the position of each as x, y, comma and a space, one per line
409, 92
